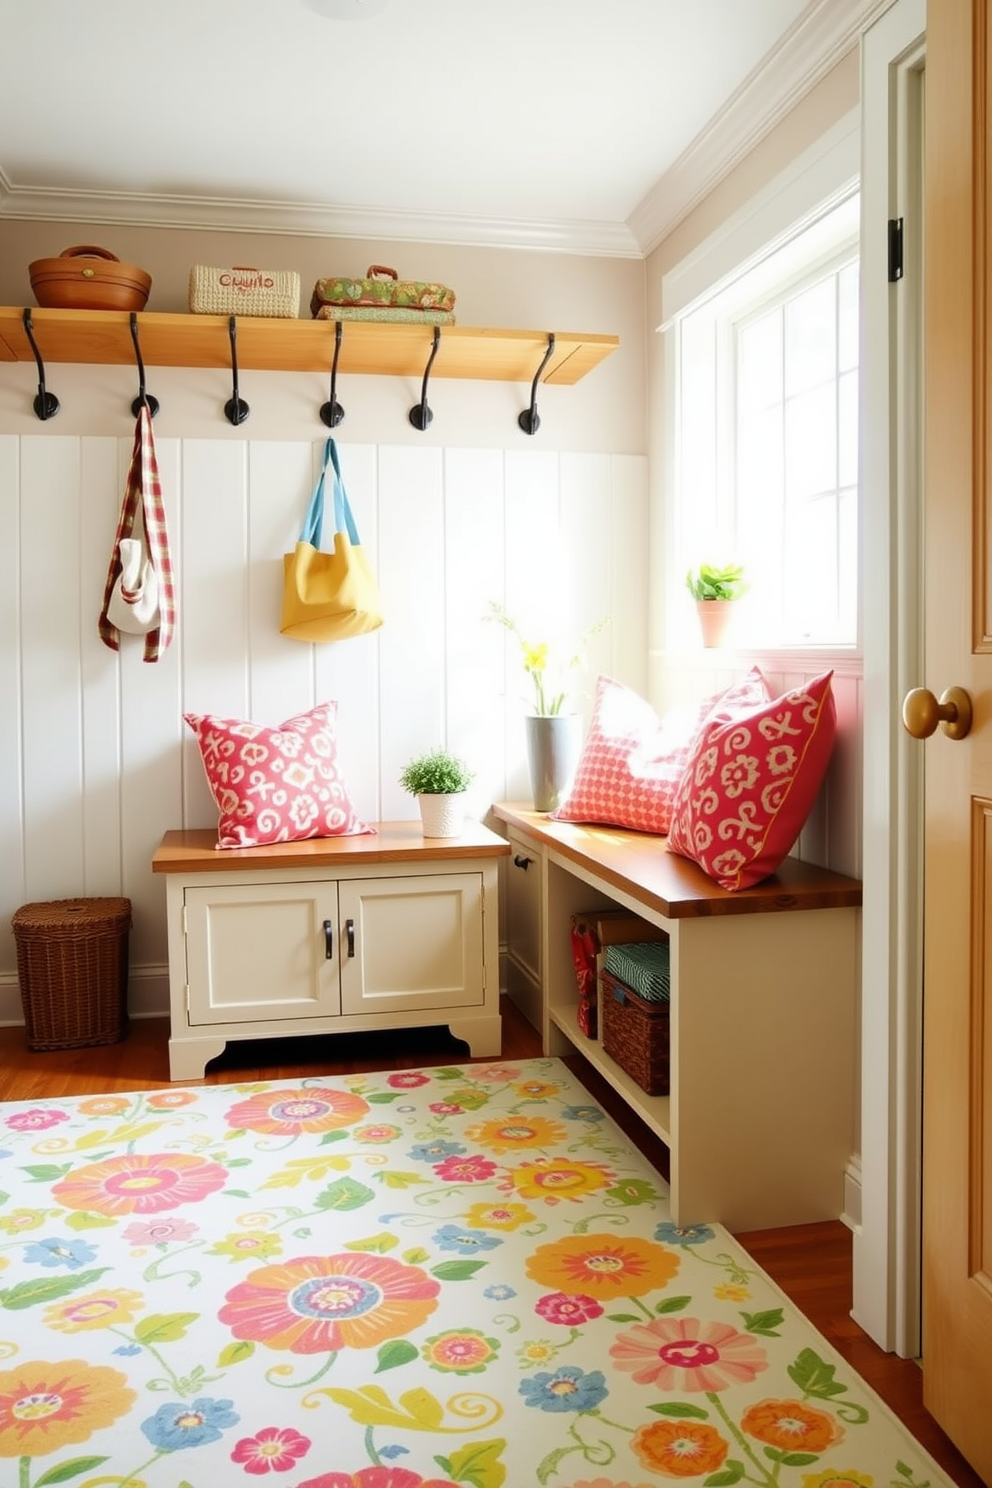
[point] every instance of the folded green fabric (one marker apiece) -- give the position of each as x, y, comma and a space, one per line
384, 312
643, 967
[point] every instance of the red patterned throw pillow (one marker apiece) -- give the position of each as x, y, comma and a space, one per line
631, 761
752, 779
275, 784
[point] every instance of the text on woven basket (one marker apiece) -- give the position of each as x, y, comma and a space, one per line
249, 279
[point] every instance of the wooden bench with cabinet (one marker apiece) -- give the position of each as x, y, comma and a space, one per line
760, 1119
331, 935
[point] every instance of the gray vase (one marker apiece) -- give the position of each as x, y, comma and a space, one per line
553, 747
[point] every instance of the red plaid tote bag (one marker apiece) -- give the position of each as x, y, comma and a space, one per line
143, 511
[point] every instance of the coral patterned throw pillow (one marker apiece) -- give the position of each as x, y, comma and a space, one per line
752, 779
633, 759
277, 784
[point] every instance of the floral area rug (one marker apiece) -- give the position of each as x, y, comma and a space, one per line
440, 1278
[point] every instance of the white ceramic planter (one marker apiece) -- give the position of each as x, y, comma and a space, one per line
442, 815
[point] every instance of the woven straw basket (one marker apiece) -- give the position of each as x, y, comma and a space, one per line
243, 290
72, 965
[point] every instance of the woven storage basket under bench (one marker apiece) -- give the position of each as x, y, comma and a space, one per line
634, 989
72, 965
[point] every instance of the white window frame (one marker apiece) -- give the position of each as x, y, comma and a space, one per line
819, 180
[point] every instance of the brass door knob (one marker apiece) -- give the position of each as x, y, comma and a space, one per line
921, 712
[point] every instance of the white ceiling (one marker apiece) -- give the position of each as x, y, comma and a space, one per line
587, 125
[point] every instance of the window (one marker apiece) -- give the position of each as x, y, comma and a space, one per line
767, 437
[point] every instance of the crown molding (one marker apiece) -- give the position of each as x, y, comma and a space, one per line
815, 43
307, 219
822, 35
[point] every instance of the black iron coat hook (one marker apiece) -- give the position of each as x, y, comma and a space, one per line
143, 397
235, 409
420, 414
45, 405
529, 420
332, 413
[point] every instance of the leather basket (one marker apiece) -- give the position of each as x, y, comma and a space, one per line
88, 278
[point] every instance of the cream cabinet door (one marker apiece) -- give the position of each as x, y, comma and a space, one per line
413, 942
260, 952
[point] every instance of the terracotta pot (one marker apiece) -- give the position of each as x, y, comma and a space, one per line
715, 618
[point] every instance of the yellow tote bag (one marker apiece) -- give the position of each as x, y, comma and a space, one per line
328, 596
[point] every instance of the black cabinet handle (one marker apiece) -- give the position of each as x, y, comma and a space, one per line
328, 941
349, 926
521, 862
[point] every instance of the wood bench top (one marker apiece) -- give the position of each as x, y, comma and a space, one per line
641, 865
195, 849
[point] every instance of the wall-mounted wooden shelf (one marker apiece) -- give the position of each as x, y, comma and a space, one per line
104, 337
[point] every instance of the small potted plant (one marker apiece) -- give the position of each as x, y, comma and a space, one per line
715, 591
439, 781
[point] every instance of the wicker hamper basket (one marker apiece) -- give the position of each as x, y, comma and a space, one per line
636, 1034
72, 965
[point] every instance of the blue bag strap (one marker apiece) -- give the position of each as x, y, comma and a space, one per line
313, 522
343, 519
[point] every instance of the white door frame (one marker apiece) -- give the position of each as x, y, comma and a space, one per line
887, 1240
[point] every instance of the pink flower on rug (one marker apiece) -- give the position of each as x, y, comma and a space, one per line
569, 1310
407, 1080
377, 1477
792, 1426
555, 1179
159, 1231
680, 1449
44, 1407
137, 1183
603, 1266
319, 1304
35, 1120
495, 1074
473, 1169
676, 1354
290, 1113
273, 1449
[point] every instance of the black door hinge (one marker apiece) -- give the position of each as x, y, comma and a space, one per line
895, 249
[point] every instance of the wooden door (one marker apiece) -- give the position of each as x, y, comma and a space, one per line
957, 1137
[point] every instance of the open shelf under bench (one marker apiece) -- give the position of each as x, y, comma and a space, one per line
759, 1121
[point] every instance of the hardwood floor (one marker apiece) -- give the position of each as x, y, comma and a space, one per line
811, 1263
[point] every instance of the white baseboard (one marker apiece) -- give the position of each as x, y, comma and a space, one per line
852, 1194
147, 995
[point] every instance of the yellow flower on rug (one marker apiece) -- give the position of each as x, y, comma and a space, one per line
603, 1266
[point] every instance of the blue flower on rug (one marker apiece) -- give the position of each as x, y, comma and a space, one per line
568, 1389
175, 1426
688, 1235
58, 1252
465, 1242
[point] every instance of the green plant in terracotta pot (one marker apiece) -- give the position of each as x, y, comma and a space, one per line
716, 591
439, 780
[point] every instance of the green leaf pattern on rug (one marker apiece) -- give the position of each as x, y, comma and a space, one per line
205, 1286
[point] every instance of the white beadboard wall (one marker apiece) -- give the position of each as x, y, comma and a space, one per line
95, 760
